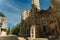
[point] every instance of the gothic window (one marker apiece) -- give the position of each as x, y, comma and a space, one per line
43, 19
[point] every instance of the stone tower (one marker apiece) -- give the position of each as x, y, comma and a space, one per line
25, 14
35, 9
36, 3
3, 26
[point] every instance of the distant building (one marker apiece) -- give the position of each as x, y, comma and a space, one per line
3, 24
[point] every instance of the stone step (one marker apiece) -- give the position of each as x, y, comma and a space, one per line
38, 39
21, 38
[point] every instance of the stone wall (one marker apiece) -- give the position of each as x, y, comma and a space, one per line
53, 38
13, 37
9, 37
38, 39
21, 38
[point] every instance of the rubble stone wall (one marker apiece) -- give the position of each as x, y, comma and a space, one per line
10, 37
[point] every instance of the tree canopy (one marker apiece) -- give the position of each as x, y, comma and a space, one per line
15, 29
2, 15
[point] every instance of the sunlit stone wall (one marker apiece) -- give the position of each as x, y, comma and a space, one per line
25, 14
3, 26
36, 3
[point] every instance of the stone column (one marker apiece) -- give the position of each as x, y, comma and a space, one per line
32, 31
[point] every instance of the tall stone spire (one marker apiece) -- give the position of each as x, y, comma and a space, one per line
36, 3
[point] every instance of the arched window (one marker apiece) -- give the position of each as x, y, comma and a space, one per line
43, 19
51, 18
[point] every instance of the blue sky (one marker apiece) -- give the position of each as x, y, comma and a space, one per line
12, 9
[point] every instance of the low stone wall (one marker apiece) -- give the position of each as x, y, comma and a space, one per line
9, 37
53, 38
21, 38
40, 39
13, 37
37, 38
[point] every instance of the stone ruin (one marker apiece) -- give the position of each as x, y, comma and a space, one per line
3, 29
38, 23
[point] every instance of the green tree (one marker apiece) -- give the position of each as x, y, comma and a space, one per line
15, 29
2, 15
8, 31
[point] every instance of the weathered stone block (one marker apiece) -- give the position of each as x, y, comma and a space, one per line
9, 37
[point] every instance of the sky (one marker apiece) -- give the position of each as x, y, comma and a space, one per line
12, 9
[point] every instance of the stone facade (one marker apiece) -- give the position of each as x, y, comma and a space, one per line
56, 7
3, 26
56, 3
25, 14
45, 22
